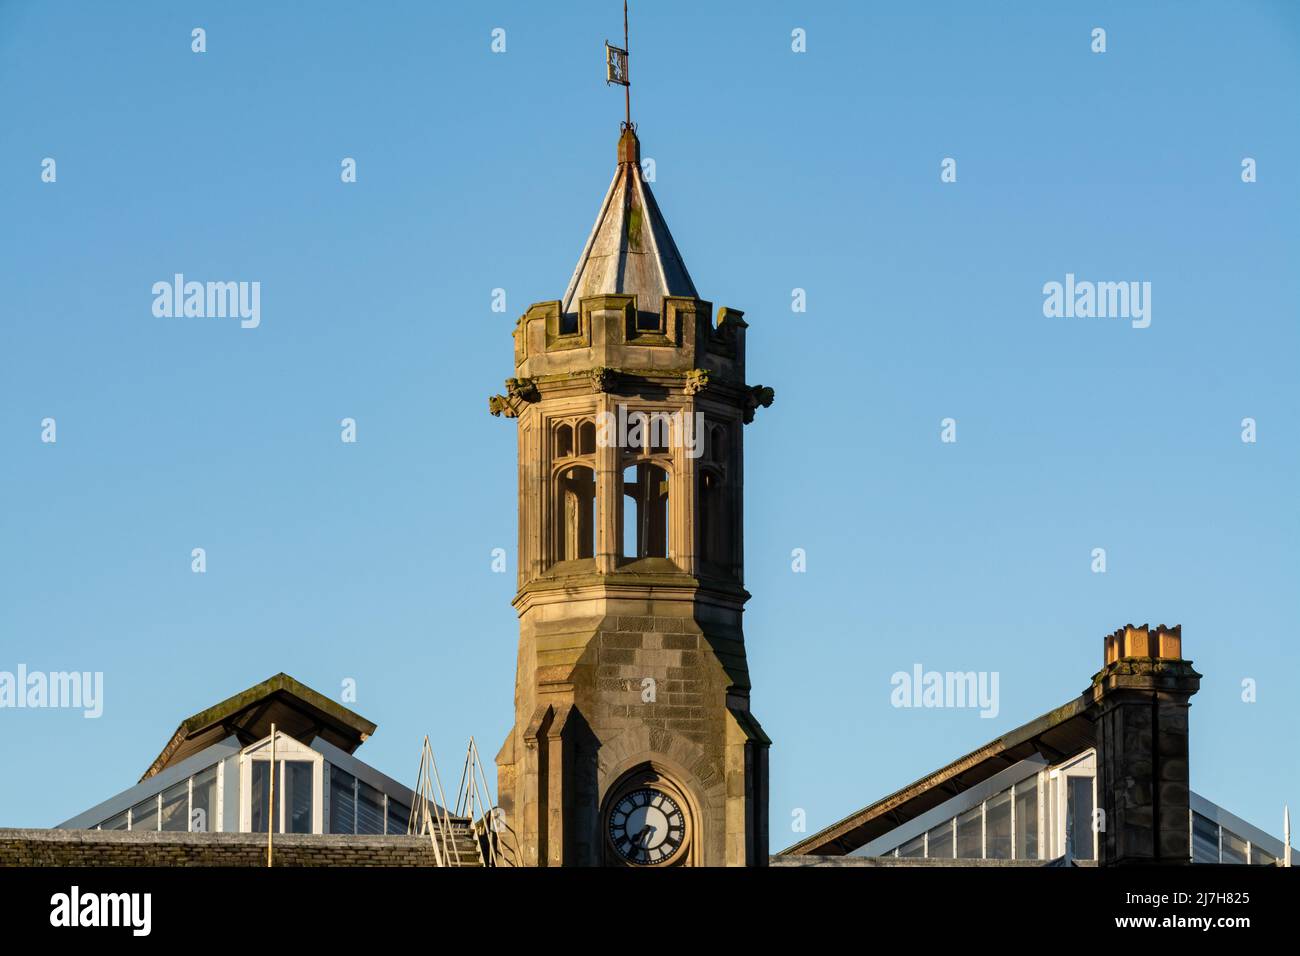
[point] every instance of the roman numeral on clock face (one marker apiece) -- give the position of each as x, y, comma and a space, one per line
647, 826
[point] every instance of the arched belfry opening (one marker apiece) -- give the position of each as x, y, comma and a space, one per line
717, 542
646, 491
573, 520
715, 521
577, 513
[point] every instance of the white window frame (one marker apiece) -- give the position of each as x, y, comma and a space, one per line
1084, 765
286, 749
189, 805
974, 798
157, 814
387, 803
1039, 829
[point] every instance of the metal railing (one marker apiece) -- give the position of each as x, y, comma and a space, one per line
474, 803
430, 816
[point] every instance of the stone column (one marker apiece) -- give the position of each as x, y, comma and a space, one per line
557, 797
609, 492
1140, 707
685, 535
534, 819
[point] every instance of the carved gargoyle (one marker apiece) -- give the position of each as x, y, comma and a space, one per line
524, 389
499, 405
518, 391
758, 395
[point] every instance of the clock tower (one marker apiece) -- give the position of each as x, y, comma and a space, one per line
633, 740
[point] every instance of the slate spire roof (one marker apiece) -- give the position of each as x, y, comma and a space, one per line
630, 250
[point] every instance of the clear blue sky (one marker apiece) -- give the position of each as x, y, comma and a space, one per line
775, 170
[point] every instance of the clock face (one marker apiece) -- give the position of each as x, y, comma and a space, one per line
647, 826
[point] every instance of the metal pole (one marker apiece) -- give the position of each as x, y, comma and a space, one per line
427, 819
445, 818
1286, 835
627, 85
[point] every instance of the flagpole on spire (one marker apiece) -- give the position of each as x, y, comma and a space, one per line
616, 71
627, 87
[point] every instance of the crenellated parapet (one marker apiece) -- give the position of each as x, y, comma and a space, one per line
610, 347
611, 331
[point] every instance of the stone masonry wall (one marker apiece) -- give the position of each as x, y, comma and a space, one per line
124, 848
665, 650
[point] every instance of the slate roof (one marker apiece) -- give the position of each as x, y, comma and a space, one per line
630, 250
1058, 734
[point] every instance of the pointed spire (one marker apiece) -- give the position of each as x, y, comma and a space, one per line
630, 250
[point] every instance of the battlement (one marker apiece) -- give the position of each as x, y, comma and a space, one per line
610, 331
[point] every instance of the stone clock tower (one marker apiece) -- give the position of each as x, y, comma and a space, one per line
633, 741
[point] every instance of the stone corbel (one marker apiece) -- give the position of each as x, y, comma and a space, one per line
697, 380
603, 379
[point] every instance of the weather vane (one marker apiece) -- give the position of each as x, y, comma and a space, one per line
616, 69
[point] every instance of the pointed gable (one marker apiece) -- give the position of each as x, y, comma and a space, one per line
293, 707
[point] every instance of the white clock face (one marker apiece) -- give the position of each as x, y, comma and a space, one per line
647, 826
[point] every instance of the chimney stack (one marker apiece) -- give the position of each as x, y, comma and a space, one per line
1140, 701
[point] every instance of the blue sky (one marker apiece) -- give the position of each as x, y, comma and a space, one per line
776, 171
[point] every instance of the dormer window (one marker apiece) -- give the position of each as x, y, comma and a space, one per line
293, 799
297, 805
